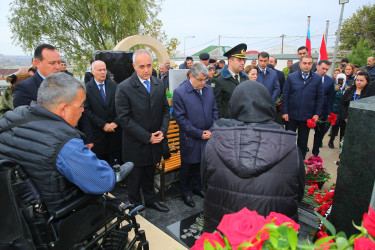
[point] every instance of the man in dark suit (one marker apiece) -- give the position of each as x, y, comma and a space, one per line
329, 93
280, 74
47, 60
195, 109
302, 100
302, 51
143, 113
101, 111
267, 76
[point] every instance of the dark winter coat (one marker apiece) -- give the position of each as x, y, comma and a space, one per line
35, 146
194, 113
250, 161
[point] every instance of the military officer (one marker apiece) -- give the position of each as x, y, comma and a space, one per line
229, 78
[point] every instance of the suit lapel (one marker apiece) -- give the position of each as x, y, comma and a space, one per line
95, 91
108, 92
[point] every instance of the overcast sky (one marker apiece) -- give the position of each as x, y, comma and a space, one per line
257, 23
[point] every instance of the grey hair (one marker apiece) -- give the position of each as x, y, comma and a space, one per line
92, 65
58, 88
198, 68
141, 51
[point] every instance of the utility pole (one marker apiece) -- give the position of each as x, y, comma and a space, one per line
282, 43
326, 34
342, 2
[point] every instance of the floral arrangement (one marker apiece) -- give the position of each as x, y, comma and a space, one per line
323, 199
248, 230
315, 170
311, 123
332, 118
278, 103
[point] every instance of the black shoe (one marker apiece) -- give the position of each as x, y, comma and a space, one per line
201, 193
158, 207
188, 200
330, 144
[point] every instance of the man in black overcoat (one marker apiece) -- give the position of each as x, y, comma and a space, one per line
100, 110
143, 114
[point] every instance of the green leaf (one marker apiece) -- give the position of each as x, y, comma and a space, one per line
326, 223
292, 238
323, 240
207, 245
341, 242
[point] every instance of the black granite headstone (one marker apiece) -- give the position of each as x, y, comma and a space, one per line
119, 63
356, 174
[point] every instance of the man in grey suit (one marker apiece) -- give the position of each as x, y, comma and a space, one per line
101, 112
143, 113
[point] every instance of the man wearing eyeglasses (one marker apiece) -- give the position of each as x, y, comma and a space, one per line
229, 78
195, 109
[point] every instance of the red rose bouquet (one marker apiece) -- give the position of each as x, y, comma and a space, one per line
247, 230
332, 118
311, 123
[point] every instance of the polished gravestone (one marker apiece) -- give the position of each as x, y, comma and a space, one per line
356, 173
119, 63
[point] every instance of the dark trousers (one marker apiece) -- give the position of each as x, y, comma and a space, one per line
320, 130
112, 158
302, 134
190, 172
335, 129
141, 177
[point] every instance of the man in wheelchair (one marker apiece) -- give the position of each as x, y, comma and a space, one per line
51, 183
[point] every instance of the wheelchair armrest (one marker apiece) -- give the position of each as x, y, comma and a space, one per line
69, 207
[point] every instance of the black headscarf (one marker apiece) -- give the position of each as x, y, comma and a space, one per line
252, 103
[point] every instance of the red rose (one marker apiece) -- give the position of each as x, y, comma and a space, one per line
363, 243
279, 219
310, 123
241, 226
332, 118
324, 246
369, 222
213, 238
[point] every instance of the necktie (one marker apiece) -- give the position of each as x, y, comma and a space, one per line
236, 77
304, 76
102, 92
148, 85
263, 72
199, 92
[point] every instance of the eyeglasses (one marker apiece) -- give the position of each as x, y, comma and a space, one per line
201, 80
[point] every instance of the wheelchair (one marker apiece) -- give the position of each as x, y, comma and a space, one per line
89, 222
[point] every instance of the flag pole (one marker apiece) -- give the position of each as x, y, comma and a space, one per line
308, 34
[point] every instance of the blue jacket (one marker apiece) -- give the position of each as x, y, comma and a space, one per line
194, 113
269, 80
329, 93
301, 101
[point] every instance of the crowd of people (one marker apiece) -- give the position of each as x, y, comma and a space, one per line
233, 152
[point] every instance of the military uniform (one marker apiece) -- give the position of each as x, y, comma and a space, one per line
224, 83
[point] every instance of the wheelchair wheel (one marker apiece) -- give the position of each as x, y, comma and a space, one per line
116, 240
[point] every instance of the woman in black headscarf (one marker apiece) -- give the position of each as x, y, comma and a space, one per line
251, 161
